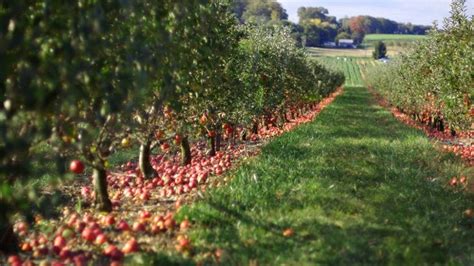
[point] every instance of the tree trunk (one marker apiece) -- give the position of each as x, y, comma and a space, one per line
440, 125
212, 146
283, 119
243, 135
232, 136
265, 121
218, 140
8, 240
144, 161
185, 151
102, 199
453, 132
255, 127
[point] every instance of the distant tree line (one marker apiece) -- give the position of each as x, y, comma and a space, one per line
315, 26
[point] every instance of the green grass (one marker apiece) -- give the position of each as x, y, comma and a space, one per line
337, 52
393, 37
395, 42
357, 187
354, 68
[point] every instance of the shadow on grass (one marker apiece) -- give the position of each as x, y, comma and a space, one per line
356, 186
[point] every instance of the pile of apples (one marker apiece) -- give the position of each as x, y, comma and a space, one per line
455, 181
465, 151
80, 238
272, 131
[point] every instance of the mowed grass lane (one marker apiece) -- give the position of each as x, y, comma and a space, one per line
356, 186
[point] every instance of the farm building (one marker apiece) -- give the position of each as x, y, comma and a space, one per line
330, 44
346, 43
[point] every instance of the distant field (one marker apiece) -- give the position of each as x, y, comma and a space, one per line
316, 51
367, 52
354, 62
393, 37
395, 42
354, 68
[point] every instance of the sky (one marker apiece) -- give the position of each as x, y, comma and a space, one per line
422, 12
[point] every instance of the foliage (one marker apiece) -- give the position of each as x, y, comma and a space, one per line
434, 82
372, 25
80, 79
380, 50
274, 72
310, 13
317, 26
258, 11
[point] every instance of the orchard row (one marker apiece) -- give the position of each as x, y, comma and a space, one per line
434, 82
88, 79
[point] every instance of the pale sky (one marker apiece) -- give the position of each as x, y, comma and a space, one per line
415, 11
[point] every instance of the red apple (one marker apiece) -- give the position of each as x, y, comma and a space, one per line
14, 259
80, 260
42, 239
65, 253
109, 220
183, 244
177, 139
453, 182
123, 225
26, 247
211, 133
59, 242
130, 247
101, 239
88, 234
137, 226
184, 225
288, 232
22, 227
165, 146
29, 263
159, 134
203, 119
76, 167
469, 213
169, 223
145, 215
113, 252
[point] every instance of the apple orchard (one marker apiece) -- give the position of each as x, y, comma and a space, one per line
180, 83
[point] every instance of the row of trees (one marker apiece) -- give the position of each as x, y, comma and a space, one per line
260, 11
316, 26
86, 78
435, 82
357, 27
328, 29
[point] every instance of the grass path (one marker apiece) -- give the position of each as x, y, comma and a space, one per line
356, 186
